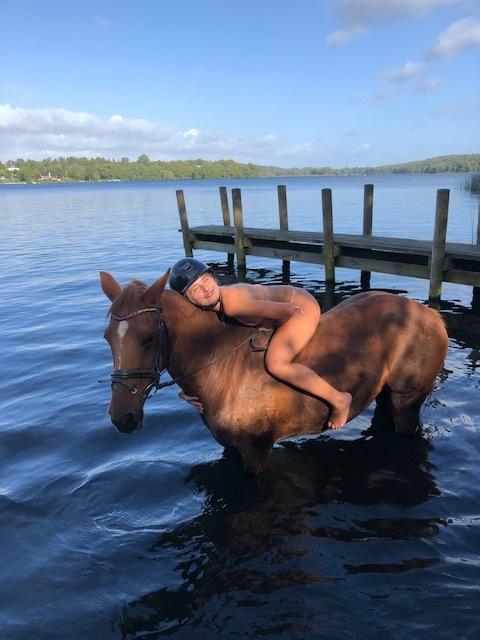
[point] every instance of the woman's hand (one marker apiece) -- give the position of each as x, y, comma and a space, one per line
192, 400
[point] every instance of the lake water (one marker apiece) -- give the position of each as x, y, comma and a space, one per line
156, 534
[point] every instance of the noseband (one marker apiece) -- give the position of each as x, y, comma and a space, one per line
119, 376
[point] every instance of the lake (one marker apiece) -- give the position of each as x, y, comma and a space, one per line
156, 534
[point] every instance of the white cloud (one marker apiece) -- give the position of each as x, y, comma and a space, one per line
191, 133
406, 72
342, 36
355, 16
296, 149
429, 84
40, 133
460, 35
362, 147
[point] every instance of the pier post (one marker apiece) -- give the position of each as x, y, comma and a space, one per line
239, 234
367, 227
476, 290
226, 219
283, 216
182, 210
328, 252
438, 246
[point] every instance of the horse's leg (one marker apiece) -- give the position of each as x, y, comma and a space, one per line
383, 424
255, 452
405, 409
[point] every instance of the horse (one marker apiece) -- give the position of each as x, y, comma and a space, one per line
375, 345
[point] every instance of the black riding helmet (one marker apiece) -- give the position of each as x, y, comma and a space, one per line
185, 272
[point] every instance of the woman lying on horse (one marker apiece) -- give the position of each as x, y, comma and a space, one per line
292, 312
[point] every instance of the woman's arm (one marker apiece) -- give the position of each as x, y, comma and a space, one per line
239, 303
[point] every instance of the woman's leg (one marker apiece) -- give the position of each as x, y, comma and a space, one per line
287, 342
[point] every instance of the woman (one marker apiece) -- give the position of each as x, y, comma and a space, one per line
293, 312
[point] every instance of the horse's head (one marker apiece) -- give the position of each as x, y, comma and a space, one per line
134, 335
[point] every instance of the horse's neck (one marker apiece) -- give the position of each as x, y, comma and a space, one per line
195, 334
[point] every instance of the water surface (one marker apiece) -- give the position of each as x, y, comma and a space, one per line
157, 534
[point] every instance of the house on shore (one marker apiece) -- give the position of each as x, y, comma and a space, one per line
42, 177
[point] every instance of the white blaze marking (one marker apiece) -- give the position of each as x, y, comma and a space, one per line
122, 330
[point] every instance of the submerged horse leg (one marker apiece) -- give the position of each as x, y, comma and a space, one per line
405, 410
255, 452
396, 413
383, 424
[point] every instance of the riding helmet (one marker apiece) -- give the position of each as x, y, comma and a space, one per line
185, 272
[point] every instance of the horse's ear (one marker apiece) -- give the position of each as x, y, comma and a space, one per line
154, 293
110, 286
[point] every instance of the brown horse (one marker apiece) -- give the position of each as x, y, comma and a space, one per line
375, 345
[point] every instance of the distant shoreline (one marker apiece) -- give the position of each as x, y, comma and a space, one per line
75, 170
286, 175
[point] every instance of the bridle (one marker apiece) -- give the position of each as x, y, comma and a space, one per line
119, 376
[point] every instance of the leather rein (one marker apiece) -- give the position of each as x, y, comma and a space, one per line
119, 376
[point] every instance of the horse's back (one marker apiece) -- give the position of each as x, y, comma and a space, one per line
404, 341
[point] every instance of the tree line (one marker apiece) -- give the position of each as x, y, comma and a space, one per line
75, 169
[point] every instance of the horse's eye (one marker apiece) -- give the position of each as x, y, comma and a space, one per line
148, 340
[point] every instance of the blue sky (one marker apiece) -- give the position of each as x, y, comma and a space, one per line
334, 83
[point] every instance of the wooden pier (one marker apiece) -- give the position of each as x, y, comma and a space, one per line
437, 260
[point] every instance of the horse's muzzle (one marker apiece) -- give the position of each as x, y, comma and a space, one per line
128, 423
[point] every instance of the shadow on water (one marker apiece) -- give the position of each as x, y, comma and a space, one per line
261, 542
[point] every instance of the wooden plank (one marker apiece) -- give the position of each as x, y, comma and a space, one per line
382, 266
406, 245
225, 207
282, 207
284, 254
462, 251
283, 218
367, 227
395, 244
462, 277
328, 258
182, 211
239, 234
349, 262
226, 219
458, 251
476, 290
438, 245
207, 245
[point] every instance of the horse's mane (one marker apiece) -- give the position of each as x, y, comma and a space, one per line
128, 300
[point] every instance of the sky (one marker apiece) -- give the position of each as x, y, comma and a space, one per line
307, 83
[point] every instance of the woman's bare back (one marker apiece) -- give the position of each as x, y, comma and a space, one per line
267, 293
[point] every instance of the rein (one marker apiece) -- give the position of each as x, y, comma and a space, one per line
118, 376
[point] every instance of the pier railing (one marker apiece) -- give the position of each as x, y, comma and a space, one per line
437, 260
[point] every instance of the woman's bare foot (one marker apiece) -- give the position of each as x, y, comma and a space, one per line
340, 411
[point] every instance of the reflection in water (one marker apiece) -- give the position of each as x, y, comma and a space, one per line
255, 536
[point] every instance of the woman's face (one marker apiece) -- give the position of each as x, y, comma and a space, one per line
204, 291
